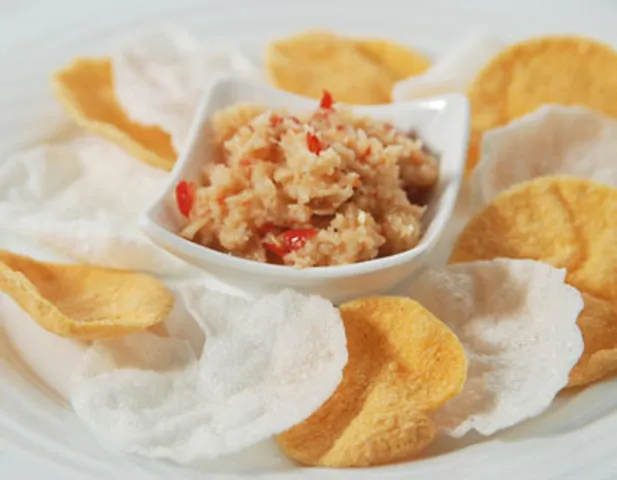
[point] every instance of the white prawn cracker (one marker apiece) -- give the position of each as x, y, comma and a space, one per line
82, 198
160, 74
517, 322
265, 366
454, 72
552, 140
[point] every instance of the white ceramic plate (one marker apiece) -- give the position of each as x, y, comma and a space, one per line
39, 435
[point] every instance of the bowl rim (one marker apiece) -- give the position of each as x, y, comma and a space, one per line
172, 242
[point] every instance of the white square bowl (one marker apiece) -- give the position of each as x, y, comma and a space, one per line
442, 122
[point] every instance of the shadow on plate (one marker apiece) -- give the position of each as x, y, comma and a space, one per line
570, 411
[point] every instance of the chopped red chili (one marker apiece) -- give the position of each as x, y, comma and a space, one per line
340, 128
275, 120
313, 143
245, 162
295, 120
291, 240
366, 153
297, 238
185, 197
326, 100
252, 129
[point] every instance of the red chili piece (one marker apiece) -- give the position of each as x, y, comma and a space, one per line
366, 153
313, 143
295, 120
275, 120
291, 240
185, 197
296, 239
245, 162
326, 100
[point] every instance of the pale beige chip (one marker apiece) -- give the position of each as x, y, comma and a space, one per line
569, 223
354, 71
84, 302
403, 363
85, 90
563, 70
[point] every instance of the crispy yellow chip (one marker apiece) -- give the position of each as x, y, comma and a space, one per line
473, 151
403, 363
84, 302
85, 90
598, 323
399, 60
565, 70
569, 223
359, 71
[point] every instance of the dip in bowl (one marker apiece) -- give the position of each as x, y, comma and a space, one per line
279, 191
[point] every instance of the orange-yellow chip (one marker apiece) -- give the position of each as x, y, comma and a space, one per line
399, 60
359, 71
565, 70
473, 150
598, 323
403, 363
569, 223
85, 90
84, 302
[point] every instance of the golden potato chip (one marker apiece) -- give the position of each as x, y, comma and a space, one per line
565, 70
355, 71
84, 302
403, 362
473, 151
85, 90
400, 60
598, 323
569, 223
